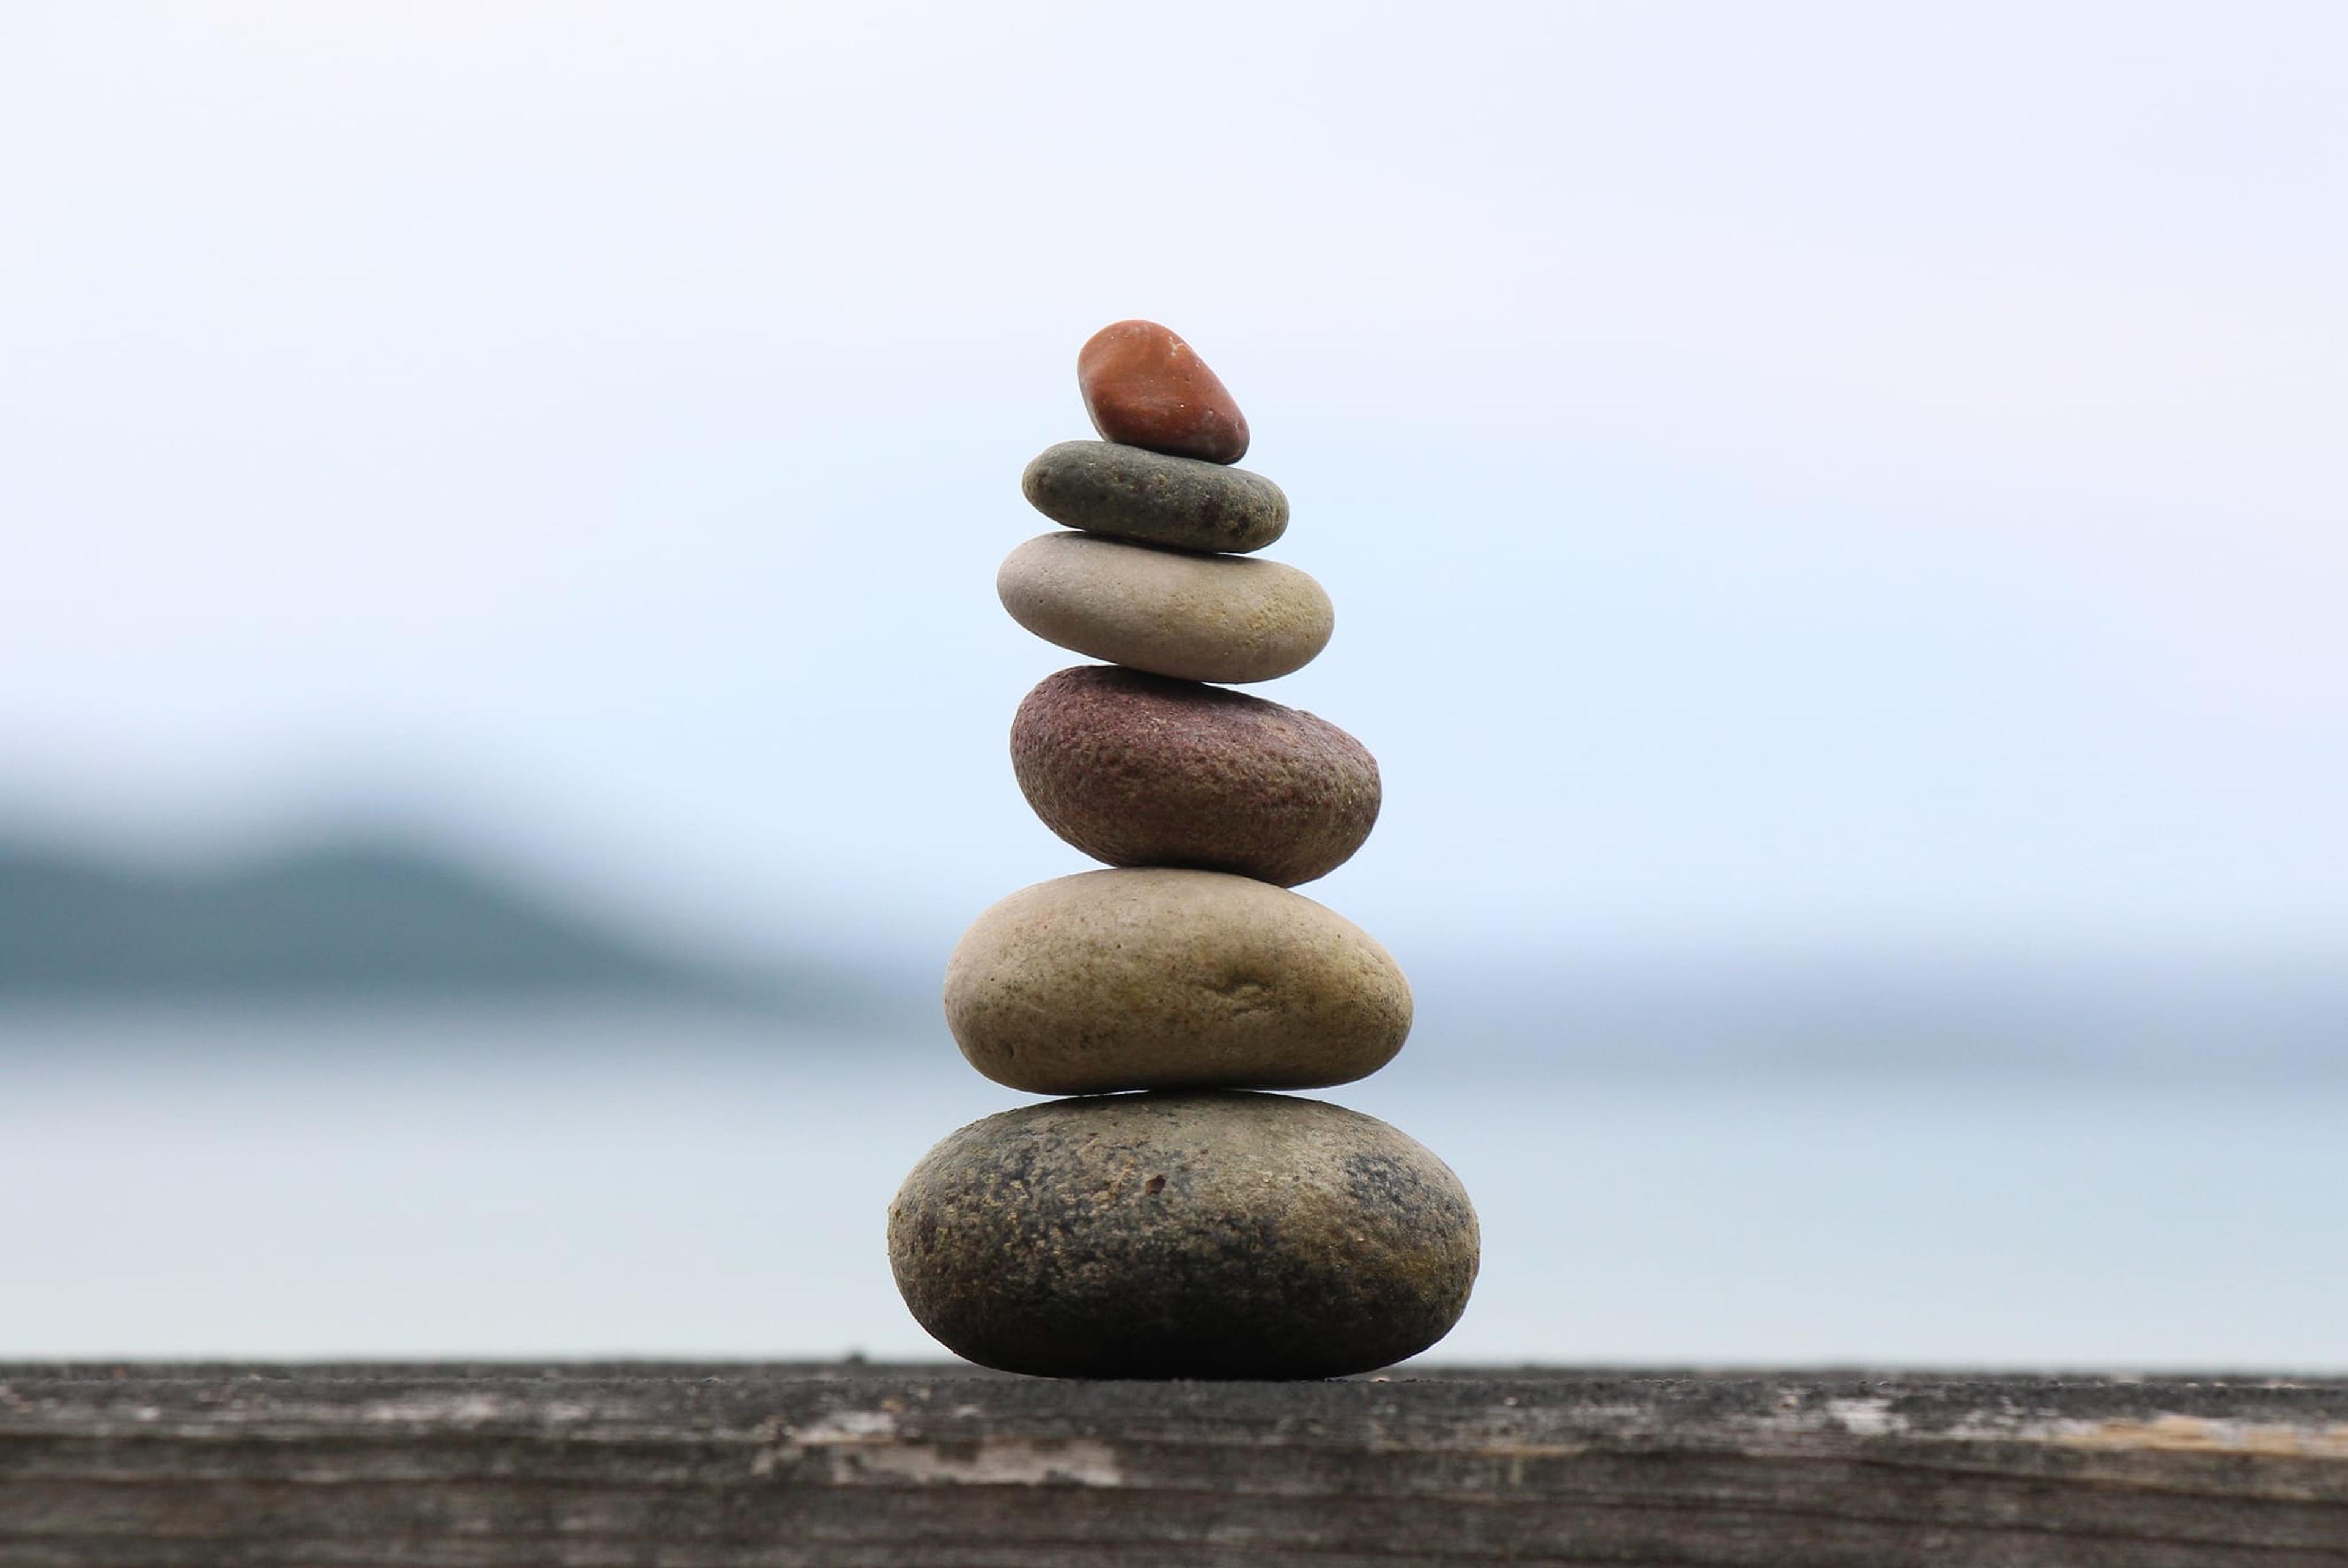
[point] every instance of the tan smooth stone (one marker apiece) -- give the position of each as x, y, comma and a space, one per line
1158, 978
1226, 619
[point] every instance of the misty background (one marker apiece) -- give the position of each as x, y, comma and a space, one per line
1836, 517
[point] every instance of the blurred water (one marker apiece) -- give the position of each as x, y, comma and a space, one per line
532, 1180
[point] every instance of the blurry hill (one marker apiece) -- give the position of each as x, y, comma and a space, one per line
349, 918
378, 920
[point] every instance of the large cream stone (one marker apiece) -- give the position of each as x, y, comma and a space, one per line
1154, 979
1227, 619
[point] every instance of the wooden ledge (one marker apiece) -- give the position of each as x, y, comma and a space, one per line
842, 1464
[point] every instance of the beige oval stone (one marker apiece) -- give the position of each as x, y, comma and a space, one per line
1226, 619
1155, 978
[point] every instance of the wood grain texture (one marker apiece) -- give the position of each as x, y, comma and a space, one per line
728, 1466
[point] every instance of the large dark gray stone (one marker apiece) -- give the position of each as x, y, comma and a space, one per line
1103, 487
1200, 1234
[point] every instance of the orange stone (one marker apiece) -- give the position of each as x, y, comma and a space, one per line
1146, 387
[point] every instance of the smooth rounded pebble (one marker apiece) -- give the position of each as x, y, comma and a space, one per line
1153, 978
1139, 770
1191, 1233
1128, 493
1193, 617
1143, 386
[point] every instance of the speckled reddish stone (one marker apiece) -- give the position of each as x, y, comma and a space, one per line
1144, 387
1140, 770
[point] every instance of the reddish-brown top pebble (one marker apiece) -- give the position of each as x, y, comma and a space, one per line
1144, 387
1140, 770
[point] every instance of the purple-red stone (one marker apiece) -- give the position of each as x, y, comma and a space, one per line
1144, 387
1140, 770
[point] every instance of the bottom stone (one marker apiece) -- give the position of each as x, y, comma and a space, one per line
1196, 1234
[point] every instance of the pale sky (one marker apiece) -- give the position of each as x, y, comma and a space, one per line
1787, 473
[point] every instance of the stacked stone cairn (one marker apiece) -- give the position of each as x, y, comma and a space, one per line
1167, 1220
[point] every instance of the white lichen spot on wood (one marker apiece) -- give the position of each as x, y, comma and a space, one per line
846, 1426
864, 1447
991, 1461
455, 1410
1866, 1418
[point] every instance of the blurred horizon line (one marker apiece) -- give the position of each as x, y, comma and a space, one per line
366, 917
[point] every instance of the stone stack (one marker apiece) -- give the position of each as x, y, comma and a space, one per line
1168, 1220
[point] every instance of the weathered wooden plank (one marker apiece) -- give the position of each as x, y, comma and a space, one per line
731, 1466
